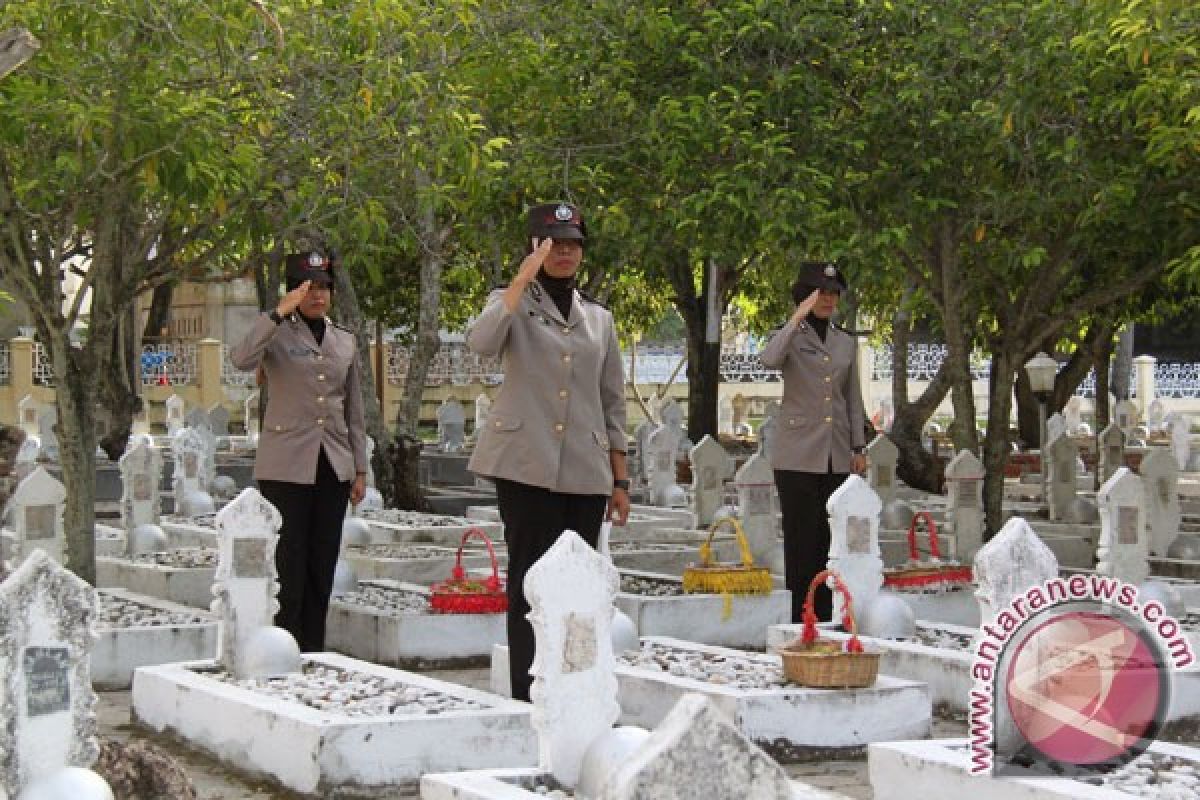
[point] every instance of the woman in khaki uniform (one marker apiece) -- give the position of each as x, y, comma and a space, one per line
555, 437
820, 438
312, 453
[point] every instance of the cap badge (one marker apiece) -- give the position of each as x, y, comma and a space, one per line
563, 213
315, 260
830, 271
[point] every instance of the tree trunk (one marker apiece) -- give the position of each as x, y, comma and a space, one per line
996, 443
958, 345
1122, 363
76, 431
118, 377
702, 320
158, 319
1101, 358
915, 465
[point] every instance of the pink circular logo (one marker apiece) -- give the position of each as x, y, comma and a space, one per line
1085, 688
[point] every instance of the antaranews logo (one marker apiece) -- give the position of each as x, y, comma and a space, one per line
1074, 675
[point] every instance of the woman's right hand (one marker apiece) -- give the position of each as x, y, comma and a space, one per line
805, 306
291, 301
526, 273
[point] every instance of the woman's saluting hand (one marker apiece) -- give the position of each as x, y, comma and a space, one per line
805, 306
528, 270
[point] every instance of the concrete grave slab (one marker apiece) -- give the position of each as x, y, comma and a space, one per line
135, 631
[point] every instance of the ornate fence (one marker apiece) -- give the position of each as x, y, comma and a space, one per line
43, 373
169, 363
5, 364
231, 375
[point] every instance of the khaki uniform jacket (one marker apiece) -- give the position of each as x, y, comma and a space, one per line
313, 401
821, 416
561, 407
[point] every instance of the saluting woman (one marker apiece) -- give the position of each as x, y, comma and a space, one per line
555, 437
312, 454
820, 436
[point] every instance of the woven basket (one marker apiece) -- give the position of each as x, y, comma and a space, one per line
458, 595
827, 663
713, 577
934, 573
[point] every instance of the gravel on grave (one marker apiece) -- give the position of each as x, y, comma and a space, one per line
416, 519
386, 598
734, 671
1154, 776
650, 587
405, 551
183, 557
206, 520
625, 547
348, 693
934, 636
118, 612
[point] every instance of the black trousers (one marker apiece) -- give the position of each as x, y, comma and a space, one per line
307, 553
533, 520
802, 499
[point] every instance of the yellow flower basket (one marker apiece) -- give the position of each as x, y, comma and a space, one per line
713, 577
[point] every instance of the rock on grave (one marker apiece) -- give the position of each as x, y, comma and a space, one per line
36, 511
696, 752
245, 583
571, 590
711, 467
1124, 548
1013, 561
46, 697
1160, 483
854, 542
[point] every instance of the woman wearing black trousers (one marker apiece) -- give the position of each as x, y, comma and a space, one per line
821, 425
555, 437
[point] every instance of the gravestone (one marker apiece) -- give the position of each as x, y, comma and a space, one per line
766, 431
36, 513
1124, 547
189, 449
252, 421
198, 421
1126, 415
1112, 451
571, 591
1181, 444
452, 421
641, 435
660, 462
725, 415
483, 407
175, 410
1156, 416
1073, 414
141, 474
854, 542
964, 485
47, 422
218, 420
883, 417
1056, 426
756, 501
1160, 485
27, 457
198, 418
46, 697
1013, 561
882, 456
245, 584
697, 752
370, 461
711, 467
1061, 458
29, 414
672, 419
741, 405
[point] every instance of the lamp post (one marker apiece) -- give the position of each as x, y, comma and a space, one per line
1041, 370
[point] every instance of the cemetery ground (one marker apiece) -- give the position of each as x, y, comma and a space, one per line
214, 781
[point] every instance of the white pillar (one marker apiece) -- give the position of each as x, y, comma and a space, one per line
1143, 369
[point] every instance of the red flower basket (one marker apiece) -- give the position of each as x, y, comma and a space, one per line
934, 573
826, 663
458, 595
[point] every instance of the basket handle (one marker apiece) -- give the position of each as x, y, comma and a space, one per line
706, 548
459, 574
809, 633
934, 551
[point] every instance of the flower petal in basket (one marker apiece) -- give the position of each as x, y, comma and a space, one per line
460, 595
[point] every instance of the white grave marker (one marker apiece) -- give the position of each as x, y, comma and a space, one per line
766, 431
1055, 426
218, 419
1126, 414
641, 435
46, 425
141, 475
46, 697
27, 457
882, 457
452, 423
245, 583
1112, 451
1156, 416
1160, 483
711, 467
29, 413
36, 510
964, 485
175, 411
1061, 458
660, 463
1073, 414
1124, 548
725, 415
483, 407
252, 422
571, 590
1013, 561
756, 501
1181, 445
854, 542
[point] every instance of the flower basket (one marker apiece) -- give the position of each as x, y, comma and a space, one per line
458, 595
932, 574
826, 663
713, 577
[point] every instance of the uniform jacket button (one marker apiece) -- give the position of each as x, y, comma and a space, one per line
829, 419
559, 427
562, 393
320, 377
320, 421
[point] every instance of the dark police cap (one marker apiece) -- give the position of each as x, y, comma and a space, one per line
557, 221
821, 275
309, 266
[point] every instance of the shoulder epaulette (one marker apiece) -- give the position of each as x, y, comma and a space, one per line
588, 298
852, 331
340, 326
